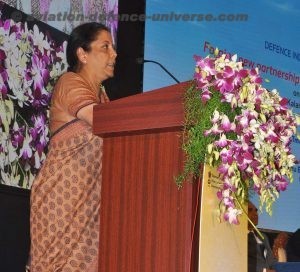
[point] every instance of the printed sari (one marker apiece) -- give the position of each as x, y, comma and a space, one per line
65, 203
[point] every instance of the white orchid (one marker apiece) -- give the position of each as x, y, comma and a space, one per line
40, 39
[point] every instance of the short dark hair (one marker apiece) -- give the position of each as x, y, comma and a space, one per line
82, 36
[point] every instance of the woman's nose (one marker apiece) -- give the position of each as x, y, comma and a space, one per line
113, 53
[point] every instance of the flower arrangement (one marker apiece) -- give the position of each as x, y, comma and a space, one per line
233, 123
30, 64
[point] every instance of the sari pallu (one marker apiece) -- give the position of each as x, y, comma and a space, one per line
65, 203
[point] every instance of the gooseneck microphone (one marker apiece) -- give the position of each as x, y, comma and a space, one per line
141, 61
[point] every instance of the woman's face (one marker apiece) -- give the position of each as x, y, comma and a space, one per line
100, 60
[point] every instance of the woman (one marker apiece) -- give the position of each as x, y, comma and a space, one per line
65, 196
279, 246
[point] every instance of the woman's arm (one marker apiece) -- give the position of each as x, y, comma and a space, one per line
86, 113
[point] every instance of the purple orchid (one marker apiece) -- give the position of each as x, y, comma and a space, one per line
40, 73
231, 215
17, 136
224, 84
205, 95
226, 124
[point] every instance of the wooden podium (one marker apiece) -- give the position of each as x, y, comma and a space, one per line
147, 224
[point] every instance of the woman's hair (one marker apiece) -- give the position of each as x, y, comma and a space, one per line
82, 36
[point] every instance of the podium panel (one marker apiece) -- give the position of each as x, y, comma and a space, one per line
147, 223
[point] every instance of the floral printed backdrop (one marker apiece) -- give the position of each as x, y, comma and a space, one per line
31, 60
32, 56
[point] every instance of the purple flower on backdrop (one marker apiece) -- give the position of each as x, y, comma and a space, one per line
17, 136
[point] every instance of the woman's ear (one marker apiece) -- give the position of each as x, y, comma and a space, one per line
81, 54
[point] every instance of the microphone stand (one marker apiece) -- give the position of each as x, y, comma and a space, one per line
161, 66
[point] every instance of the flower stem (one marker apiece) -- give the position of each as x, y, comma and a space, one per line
249, 220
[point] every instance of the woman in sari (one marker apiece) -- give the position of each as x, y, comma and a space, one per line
65, 196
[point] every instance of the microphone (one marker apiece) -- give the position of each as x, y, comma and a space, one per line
142, 61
